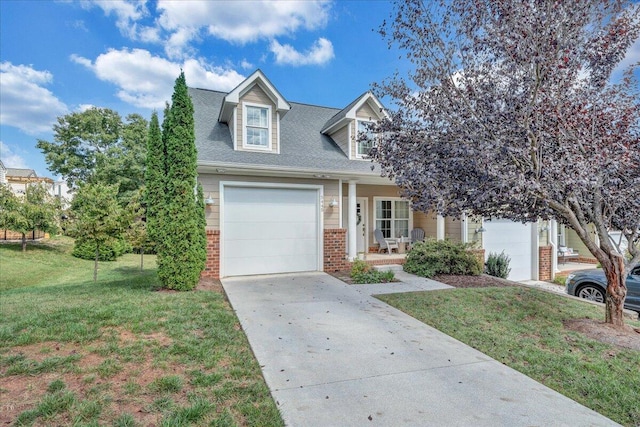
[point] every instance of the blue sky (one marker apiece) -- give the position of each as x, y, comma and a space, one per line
57, 57
62, 56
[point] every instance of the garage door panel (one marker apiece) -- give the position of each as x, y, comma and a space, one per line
269, 264
270, 230
515, 240
251, 248
268, 212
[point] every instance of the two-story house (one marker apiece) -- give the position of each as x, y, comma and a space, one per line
289, 187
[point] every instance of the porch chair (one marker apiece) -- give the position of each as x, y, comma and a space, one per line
417, 235
388, 244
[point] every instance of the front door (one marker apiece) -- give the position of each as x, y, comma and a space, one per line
361, 221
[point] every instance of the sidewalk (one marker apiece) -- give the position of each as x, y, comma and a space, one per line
332, 355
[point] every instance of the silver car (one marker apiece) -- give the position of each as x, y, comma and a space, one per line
592, 285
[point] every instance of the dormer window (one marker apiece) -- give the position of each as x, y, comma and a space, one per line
364, 147
257, 129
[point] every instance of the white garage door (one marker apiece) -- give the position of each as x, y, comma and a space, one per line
514, 238
269, 230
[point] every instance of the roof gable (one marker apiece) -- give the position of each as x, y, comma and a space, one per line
349, 112
232, 99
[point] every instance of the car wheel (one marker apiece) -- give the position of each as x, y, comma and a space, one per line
592, 293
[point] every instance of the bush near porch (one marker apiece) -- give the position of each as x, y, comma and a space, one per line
433, 257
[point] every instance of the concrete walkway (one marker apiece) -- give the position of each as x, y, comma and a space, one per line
332, 355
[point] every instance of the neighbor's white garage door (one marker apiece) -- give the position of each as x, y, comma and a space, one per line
514, 238
269, 230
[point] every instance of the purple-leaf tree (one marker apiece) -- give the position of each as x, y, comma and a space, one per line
517, 109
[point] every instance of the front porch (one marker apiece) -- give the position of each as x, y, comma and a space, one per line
366, 207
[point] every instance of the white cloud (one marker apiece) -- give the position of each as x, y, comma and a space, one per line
238, 22
10, 158
127, 13
320, 53
246, 65
147, 81
25, 103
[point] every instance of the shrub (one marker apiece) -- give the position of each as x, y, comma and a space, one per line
109, 251
497, 265
361, 272
433, 257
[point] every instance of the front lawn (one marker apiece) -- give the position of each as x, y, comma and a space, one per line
524, 329
119, 352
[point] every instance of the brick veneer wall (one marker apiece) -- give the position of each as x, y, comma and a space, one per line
212, 267
545, 254
335, 241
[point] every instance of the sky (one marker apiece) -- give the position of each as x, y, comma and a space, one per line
59, 57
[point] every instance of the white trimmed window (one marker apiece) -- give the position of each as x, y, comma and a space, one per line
257, 126
363, 147
393, 217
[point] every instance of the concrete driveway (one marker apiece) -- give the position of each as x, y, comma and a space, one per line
333, 355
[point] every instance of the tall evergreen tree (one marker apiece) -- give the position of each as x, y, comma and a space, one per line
182, 250
155, 175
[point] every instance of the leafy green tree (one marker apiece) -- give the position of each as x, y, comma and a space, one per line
97, 217
136, 234
181, 234
124, 162
37, 209
96, 146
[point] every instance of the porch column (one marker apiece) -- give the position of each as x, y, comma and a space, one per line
440, 228
553, 241
351, 223
464, 229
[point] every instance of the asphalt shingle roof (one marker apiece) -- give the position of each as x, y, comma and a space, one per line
22, 173
302, 145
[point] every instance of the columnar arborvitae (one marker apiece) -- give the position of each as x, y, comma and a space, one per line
183, 247
155, 185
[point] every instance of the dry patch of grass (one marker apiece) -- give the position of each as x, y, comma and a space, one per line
117, 352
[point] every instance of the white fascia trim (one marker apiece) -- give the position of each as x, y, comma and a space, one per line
234, 133
278, 132
259, 78
350, 139
376, 107
245, 146
287, 170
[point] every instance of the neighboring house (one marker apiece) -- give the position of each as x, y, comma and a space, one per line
18, 179
289, 188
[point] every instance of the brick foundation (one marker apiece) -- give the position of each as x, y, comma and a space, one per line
545, 254
335, 241
212, 267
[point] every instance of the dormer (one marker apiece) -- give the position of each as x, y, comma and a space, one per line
253, 111
345, 126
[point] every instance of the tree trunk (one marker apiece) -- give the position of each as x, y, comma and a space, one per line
24, 242
95, 265
616, 289
141, 258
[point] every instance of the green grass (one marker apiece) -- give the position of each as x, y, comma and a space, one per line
90, 352
523, 328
